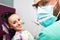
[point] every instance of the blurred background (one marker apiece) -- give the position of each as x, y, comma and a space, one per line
27, 13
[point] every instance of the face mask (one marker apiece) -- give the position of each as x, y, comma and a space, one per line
45, 15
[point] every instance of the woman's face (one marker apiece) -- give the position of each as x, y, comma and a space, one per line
15, 22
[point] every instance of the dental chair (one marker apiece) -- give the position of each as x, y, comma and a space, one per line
4, 34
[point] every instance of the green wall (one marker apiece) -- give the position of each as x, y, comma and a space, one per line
7, 2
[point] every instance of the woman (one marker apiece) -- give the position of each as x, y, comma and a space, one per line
16, 28
47, 11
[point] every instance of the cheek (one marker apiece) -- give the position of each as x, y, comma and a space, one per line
13, 26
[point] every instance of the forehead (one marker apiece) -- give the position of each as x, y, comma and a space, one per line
13, 17
36, 1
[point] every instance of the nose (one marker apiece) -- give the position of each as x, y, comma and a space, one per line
19, 22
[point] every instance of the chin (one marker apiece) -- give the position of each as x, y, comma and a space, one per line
20, 29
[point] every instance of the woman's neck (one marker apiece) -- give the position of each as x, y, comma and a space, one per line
19, 31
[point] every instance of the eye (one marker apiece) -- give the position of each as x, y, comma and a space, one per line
14, 22
18, 19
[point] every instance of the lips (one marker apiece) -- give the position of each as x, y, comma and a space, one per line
20, 26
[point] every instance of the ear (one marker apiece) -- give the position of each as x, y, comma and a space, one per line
10, 26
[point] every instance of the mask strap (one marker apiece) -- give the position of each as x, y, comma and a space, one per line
58, 14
